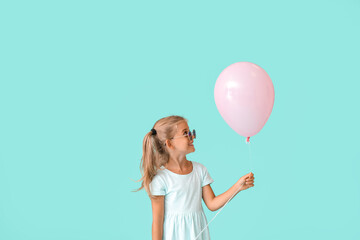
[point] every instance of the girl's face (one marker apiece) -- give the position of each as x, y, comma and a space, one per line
181, 141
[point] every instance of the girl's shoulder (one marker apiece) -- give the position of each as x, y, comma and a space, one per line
159, 176
198, 165
160, 171
201, 168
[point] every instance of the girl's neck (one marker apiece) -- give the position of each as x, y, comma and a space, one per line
178, 165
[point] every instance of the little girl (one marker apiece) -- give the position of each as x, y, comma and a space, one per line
176, 185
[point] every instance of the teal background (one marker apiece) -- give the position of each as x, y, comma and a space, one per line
82, 82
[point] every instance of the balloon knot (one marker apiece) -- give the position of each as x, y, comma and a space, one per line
248, 139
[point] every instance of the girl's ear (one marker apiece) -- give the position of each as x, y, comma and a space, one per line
168, 143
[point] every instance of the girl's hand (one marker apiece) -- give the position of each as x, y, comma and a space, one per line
246, 181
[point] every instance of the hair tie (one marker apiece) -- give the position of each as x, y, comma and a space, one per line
153, 131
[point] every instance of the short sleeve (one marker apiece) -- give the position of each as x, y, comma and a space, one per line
206, 178
157, 186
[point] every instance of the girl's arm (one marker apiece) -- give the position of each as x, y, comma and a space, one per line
215, 202
157, 204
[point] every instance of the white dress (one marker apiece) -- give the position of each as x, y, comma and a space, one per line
184, 217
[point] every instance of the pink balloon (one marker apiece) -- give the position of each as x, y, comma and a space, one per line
244, 95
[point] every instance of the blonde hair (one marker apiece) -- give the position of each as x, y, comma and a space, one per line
155, 154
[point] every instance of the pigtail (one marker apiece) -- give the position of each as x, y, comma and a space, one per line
148, 163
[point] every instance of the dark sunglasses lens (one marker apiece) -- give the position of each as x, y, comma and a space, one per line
190, 136
193, 135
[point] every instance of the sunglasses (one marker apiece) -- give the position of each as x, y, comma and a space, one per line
189, 135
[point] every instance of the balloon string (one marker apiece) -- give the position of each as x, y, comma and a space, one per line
230, 197
250, 156
219, 211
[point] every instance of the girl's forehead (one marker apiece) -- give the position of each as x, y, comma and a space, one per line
182, 126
